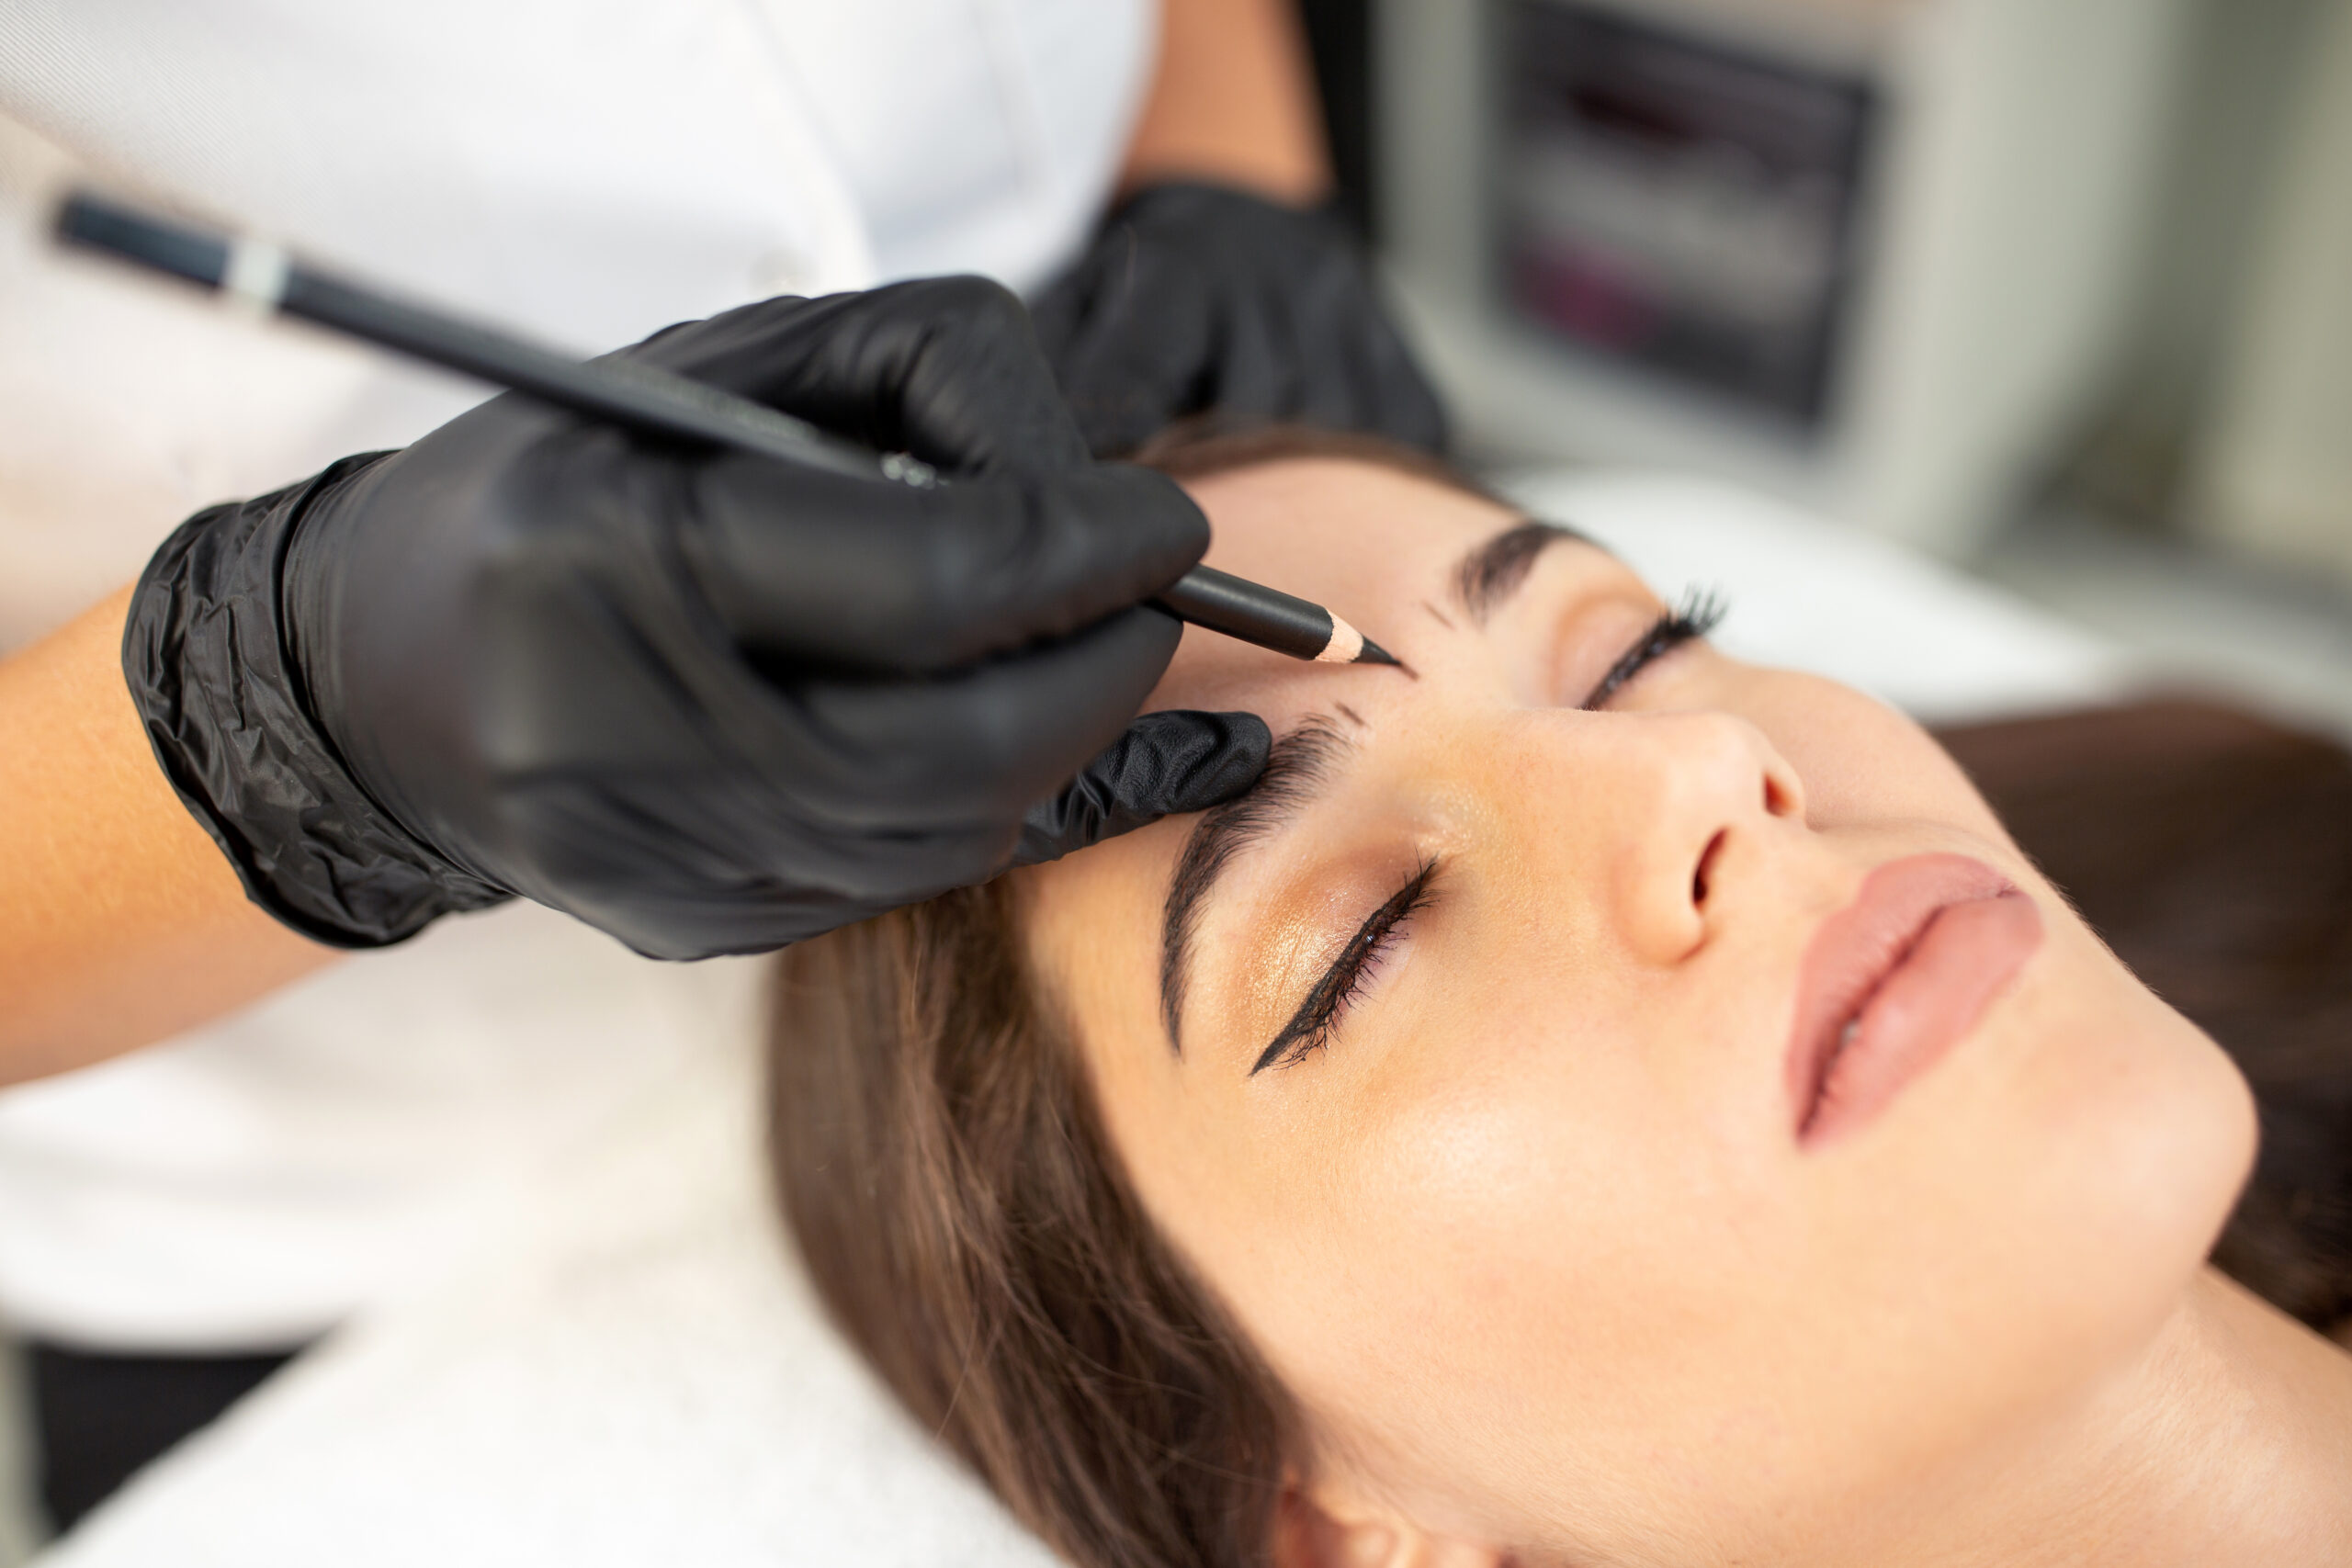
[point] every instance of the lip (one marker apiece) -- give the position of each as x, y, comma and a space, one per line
1911, 964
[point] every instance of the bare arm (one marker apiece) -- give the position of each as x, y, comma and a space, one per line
1232, 100
120, 921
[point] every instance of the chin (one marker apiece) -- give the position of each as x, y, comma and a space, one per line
2138, 1136
2035, 1222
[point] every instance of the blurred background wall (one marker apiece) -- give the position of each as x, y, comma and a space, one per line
2060, 289
2272, 464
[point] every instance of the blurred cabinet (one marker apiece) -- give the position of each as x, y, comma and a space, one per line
1866, 255
2275, 474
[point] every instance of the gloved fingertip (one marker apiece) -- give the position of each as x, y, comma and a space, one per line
1201, 760
1165, 764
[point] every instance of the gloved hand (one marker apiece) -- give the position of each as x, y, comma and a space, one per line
709, 702
1195, 298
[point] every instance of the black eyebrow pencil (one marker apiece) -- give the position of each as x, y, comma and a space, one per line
640, 397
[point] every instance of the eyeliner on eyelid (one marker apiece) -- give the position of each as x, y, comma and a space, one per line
1333, 995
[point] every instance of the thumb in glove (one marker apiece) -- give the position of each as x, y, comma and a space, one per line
1166, 764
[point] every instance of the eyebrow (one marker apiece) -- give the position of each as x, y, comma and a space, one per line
1297, 770
1493, 571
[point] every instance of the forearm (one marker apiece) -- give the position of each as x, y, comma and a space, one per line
120, 922
1232, 100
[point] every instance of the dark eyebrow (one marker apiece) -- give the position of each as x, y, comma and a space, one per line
1297, 769
1493, 571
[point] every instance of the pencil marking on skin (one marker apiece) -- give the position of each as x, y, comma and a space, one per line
1493, 572
1437, 615
1299, 763
1352, 715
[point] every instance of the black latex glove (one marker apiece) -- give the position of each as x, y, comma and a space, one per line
1196, 298
707, 701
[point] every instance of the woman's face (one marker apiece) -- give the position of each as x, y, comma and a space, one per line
1494, 1066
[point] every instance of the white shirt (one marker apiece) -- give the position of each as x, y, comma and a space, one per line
587, 170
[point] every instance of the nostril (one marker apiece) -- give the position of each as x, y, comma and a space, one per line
1776, 800
1699, 879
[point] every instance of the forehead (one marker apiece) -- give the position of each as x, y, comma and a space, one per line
1370, 544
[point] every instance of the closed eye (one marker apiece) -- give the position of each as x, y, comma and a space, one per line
1701, 612
1318, 1017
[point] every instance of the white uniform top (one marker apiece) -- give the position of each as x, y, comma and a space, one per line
589, 170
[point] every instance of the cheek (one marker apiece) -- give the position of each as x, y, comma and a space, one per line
1521, 1270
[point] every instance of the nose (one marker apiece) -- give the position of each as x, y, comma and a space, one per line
1705, 791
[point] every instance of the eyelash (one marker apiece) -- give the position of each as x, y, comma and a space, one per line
1318, 1017
1701, 612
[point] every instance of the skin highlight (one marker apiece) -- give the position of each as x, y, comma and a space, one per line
1531, 1241
122, 922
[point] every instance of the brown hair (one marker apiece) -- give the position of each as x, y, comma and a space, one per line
969, 1226
968, 1229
